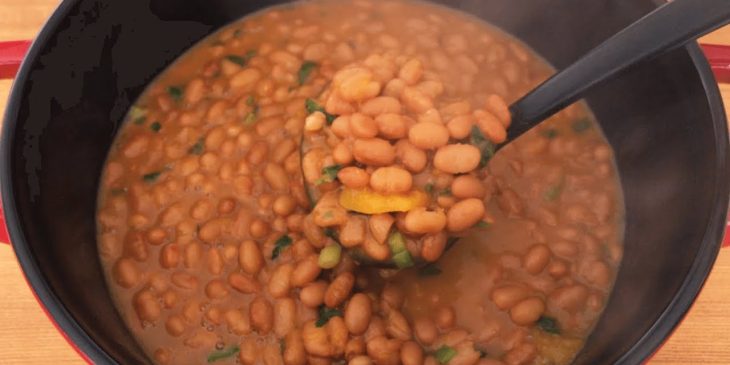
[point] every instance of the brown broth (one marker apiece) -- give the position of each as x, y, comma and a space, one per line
175, 164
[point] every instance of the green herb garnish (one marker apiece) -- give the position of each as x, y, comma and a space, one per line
253, 115
549, 325
282, 346
331, 233
151, 177
249, 55
550, 133
482, 225
155, 127
223, 354
236, 59
313, 107
305, 71
486, 148
325, 314
429, 270
553, 193
444, 354
329, 174
445, 192
401, 256
198, 148
175, 92
140, 120
251, 101
581, 125
282, 243
428, 188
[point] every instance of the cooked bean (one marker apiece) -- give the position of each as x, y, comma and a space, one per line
391, 126
376, 250
492, 128
397, 326
379, 226
306, 271
353, 232
249, 352
497, 106
467, 186
312, 295
357, 314
285, 313
342, 154
126, 273
528, 311
184, 280
457, 158
354, 177
415, 101
277, 177
339, 289
215, 261
259, 228
363, 126
536, 259
465, 214
422, 221
294, 351
373, 152
411, 72
460, 126
250, 257
425, 330
391, 180
261, 315
381, 105
412, 158
238, 322
411, 353
383, 350
147, 306
360, 360
428, 136
216, 289
243, 283
507, 296
445, 317
570, 298
280, 280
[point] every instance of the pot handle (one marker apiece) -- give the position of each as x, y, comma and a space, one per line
13, 52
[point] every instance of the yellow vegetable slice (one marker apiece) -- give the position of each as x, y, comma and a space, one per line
370, 202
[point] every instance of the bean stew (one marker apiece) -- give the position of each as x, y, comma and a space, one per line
253, 176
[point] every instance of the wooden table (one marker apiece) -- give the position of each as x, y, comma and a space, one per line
27, 336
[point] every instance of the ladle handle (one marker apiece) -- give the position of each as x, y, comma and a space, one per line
669, 26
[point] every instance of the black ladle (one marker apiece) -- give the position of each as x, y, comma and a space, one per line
670, 26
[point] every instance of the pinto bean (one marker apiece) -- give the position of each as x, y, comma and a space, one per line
412, 158
391, 126
305, 271
373, 152
468, 186
312, 295
261, 315
506, 297
428, 136
422, 221
536, 259
457, 158
358, 313
391, 180
465, 214
339, 289
280, 281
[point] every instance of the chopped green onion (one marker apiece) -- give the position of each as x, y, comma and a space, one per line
251, 101
250, 118
429, 188
325, 314
549, 325
282, 243
136, 112
445, 192
581, 125
140, 120
550, 133
236, 59
329, 174
330, 256
486, 147
155, 127
401, 257
249, 55
313, 107
444, 354
305, 71
175, 92
223, 354
152, 177
482, 225
429, 270
331, 233
198, 148
553, 193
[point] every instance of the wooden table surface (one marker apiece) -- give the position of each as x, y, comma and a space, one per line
28, 337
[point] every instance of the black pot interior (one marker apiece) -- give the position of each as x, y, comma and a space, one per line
96, 56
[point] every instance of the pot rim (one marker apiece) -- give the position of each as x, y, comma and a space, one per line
93, 353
